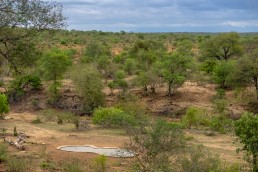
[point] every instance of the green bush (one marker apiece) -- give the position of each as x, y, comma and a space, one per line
73, 166
200, 158
16, 165
4, 107
17, 86
100, 163
112, 117
192, 117
221, 124
3, 152
220, 106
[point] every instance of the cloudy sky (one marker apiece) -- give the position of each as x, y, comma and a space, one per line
162, 15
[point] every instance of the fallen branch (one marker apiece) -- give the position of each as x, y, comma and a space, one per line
18, 142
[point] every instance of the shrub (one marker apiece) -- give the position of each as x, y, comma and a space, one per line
112, 117
17, 86
192, 117
220, 106
36, 121
16, 165
3, 152
199, 159
100, 163
73, 166
4, 107
221, 123
89, 85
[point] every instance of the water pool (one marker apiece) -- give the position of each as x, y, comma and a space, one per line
106, 151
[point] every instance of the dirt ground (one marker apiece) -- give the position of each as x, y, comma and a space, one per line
44, 138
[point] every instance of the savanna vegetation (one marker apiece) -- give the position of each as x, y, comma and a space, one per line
159, 93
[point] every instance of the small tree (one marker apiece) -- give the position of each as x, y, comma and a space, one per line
53, 65
246, 128
174, 70
4, 107
222, 72
155, 144
89, 85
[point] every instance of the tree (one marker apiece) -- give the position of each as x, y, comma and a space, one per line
246, 128
20, 21
222, 72
89, 85
246, 71
222, 46
155, 144
174, 70
52, 67
4, 107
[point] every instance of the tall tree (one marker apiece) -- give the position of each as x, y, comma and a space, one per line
222, 47
20, 20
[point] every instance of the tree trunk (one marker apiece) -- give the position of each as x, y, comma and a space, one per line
170, 89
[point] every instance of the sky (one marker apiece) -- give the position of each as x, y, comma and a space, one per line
162, 15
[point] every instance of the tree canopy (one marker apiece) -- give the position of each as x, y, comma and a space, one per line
222, 47
19, 21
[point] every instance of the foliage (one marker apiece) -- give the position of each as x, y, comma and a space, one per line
222, 46
246, 129
54, 64
222, 73
112, 117
246, 71
16, 165
20, 22
16, 88
221, 123
220, 106
100, 163
52, 67
36, 121
155, 144
174, 69
73, 166
89, 86
192, 117
199, 158
3, 152
4, 106
95, 50
129, 66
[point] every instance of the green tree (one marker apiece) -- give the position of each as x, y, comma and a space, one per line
53, 65
89, 85
4, 107
20, 21
174, 70
222, 46
155, 144
246, 71
222, 73
246, 128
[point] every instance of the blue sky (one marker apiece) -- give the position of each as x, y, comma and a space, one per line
162, 15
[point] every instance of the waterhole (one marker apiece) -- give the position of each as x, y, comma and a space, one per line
106, 151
